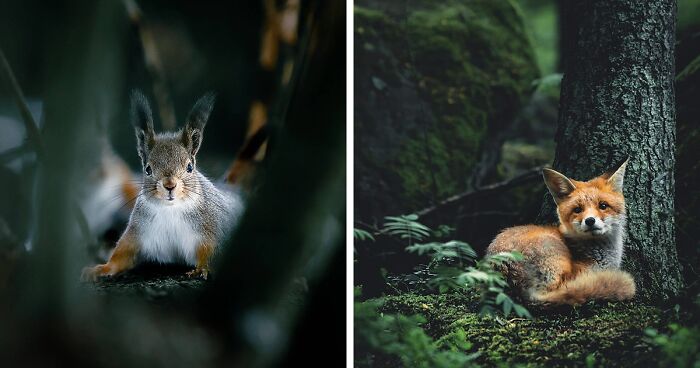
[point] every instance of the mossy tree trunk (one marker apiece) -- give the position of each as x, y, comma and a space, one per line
617, 100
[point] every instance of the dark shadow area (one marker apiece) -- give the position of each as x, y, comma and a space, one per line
70, 171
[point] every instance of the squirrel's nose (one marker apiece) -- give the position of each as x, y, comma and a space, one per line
590, 221
169, 185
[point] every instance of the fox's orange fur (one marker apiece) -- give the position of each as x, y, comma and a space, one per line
579, 259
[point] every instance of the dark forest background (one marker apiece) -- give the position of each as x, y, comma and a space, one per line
457, 106
431, 126
66, 73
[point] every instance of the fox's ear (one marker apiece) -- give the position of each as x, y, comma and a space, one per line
616, 177
142, 118
558, 184
196, 120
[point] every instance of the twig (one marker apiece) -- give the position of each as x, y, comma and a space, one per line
154, 65
525, 177
29, 122
517, 319
13, 153
488, 213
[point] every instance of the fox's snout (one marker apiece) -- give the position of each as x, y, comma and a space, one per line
588, 208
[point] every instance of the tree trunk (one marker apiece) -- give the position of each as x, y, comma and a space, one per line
617, 100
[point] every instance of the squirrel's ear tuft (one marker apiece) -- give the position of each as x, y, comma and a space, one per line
142, 119
558, 184
616, 177
196, 120
199, 114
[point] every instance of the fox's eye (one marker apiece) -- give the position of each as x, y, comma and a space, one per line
578, 210
149, 172
189, 167
603, 205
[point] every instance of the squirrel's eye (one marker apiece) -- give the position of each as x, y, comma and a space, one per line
189, 167
578, 210
603, 205
149, 172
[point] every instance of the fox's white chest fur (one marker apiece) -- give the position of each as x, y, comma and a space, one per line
168, 236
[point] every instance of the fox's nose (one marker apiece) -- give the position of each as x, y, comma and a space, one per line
590, 221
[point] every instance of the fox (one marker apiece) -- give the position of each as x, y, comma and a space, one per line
579, 258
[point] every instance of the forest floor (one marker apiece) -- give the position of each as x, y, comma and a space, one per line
592, 335
158, 284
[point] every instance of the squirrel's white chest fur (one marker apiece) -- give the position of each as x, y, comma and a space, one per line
168, 236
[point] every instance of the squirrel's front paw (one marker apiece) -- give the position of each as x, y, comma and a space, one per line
199, 272
91, 274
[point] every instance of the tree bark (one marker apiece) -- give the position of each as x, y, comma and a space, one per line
618, 100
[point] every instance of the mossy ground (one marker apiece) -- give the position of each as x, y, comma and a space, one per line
595, 334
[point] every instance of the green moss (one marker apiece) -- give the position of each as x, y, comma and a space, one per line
606, 334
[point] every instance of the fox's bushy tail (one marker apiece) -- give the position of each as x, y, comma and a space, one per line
590, 285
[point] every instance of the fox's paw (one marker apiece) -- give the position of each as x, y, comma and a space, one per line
202, 272
92, 274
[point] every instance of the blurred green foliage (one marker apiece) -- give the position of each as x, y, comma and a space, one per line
540, 17
688, 15
681, 345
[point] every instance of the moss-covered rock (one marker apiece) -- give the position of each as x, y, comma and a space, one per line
432, 79
605, 334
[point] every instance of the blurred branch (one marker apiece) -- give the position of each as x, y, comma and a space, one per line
13, 153
306, 167
525, 177
154, 65
281, 26
29, 122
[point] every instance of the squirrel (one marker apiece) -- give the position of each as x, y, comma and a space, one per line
578, 260
179, 216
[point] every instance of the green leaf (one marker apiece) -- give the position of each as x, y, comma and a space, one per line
362, 235
521, 311
507, 305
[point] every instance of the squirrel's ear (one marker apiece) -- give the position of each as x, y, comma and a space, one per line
558, 184
196, 120
142, 118
616, 177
